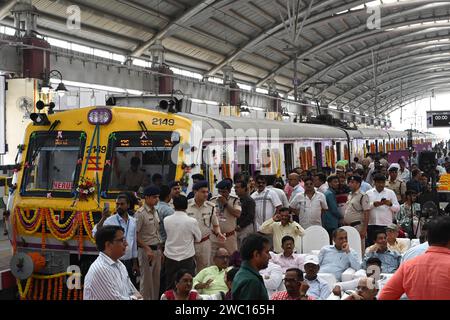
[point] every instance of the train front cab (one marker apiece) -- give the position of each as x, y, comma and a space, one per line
70, 167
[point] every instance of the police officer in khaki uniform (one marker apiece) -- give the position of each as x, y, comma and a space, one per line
175, 191
205, 213
358, 209
149, 244
395, 184
228, 210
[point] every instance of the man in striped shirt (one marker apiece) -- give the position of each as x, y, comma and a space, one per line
107, 278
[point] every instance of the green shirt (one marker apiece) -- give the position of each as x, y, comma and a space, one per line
248, 284
218, 277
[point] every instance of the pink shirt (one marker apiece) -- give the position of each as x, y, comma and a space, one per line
283, 295
426, 277
294, 261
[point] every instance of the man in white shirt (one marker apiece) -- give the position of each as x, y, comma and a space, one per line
309, 205
267, 202
123, 219
383, 207
280, 193
107, 278
182, 231
273, 278
403, 173
318, 288
320, 182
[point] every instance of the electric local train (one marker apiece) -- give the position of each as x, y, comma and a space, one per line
71, 164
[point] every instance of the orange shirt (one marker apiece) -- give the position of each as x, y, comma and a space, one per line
426, 277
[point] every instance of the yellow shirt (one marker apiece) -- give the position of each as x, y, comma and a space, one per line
218, 283
278, 231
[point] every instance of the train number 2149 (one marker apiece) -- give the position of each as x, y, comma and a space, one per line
163, 122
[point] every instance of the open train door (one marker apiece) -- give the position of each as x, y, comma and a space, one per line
288, 157
319, 156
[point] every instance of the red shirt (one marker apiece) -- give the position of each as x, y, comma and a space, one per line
283, 295
426, 277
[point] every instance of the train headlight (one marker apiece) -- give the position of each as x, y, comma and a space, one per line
175, 138
100, 116
39, 119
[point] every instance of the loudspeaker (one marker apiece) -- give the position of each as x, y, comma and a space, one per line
427, 162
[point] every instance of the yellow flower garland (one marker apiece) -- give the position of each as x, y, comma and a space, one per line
23, 292
65, 224
53, 225
33, 218
36, 227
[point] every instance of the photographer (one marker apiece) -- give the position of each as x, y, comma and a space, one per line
408, 209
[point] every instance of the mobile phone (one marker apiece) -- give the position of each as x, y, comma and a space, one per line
383, 199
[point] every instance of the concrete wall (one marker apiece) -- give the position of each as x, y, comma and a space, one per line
15, 122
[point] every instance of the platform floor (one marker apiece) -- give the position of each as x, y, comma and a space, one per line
5, 250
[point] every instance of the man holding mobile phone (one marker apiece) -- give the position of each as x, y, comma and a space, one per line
383, 206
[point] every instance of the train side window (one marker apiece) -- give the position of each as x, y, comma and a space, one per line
52, 164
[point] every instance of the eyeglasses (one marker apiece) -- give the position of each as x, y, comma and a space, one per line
123, 240
290, 280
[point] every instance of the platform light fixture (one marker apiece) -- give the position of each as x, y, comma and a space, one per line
244, 111
47, 87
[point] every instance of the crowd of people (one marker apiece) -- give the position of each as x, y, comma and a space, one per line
244, 243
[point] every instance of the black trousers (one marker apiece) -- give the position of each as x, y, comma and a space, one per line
172, 266
129, 265
371, 229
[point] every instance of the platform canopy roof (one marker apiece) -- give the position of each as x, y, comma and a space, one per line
346, 56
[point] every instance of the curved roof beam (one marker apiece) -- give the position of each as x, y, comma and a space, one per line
389, 83
416, 91
364, 56
361, 54
278, 27
194, 10
405, 86
397, 95
358, 32
5, 9
387, 62
429, 58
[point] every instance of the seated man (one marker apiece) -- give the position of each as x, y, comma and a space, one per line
288, 259
273, 277
318, 288
281, 225
134, 178
392, 243
336, 259
229, 276
296, 288
211, 279
373, 270
390, 259
366, 290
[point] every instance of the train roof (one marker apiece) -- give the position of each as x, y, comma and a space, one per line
286, 130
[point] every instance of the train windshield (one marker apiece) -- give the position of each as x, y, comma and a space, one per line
51, 164
137, 159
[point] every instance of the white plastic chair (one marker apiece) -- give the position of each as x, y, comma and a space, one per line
354, 240
329, 278
315, 238
406, 241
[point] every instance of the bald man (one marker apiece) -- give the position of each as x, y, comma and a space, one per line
366, 290
293, 186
